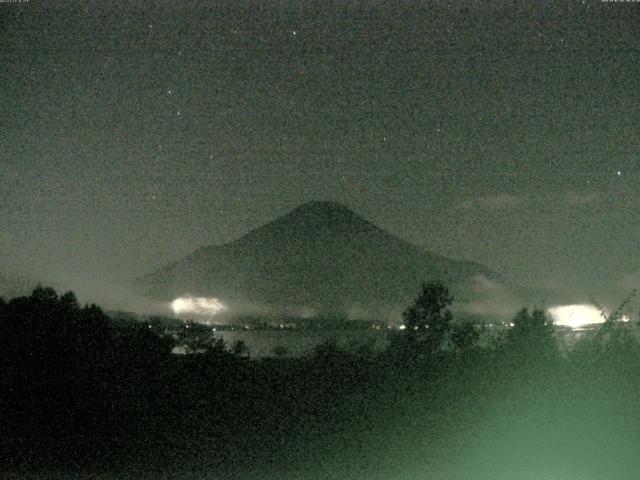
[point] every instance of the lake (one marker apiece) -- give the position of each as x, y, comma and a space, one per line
295, 343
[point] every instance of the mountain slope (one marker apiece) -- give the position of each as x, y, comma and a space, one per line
320, 256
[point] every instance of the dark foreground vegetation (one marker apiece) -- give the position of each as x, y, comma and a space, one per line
82, 397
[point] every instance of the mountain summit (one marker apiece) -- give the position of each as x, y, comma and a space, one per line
312, 222
320, 257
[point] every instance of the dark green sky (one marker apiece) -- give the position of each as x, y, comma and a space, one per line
134, 132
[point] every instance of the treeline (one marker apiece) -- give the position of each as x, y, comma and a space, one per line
80, 391
62, 364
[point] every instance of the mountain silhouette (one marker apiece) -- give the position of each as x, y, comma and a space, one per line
320, 256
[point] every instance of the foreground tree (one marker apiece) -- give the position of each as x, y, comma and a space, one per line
67, 372
428, 320
614, 344
465, 336
531, 339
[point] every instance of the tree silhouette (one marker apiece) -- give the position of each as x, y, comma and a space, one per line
69, 302
465, 336
197, 338
428, 320
240, 348
614, 343
63, 364
531, 339
44, 295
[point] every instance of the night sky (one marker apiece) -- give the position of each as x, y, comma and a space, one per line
134, 132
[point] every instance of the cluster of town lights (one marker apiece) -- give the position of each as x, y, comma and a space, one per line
574, 316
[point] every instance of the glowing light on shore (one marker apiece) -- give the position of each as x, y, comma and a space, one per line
197, 306
576, 316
